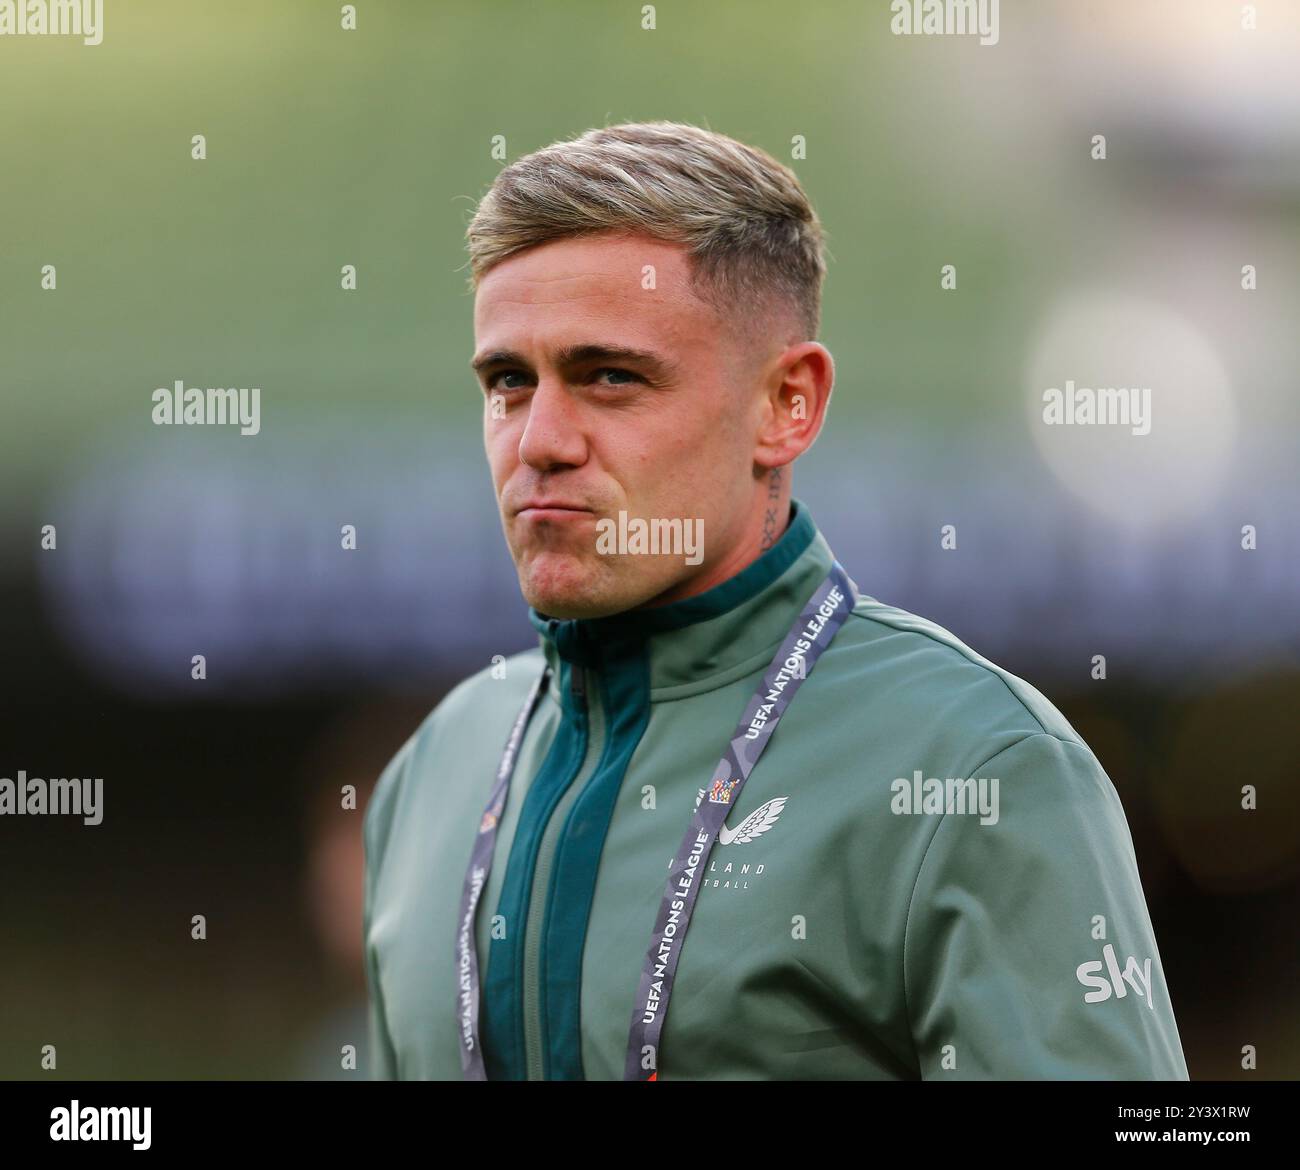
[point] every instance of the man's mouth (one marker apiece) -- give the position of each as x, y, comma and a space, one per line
552, 510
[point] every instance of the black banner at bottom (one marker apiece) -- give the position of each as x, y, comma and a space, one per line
339, 1119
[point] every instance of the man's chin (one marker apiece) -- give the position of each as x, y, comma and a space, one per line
573, 587
570, 603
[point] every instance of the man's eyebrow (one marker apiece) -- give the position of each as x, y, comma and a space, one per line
573, 355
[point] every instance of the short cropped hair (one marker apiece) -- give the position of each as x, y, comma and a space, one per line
753, 239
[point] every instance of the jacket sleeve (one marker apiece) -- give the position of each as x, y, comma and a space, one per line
375, 826
383, 1061
1028, 951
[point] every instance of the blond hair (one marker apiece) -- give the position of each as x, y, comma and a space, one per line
753, 239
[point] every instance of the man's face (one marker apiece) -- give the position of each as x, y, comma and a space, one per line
606, 396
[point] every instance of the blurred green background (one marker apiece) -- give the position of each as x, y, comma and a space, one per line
328, 147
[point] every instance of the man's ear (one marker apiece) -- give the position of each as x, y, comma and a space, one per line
796, 398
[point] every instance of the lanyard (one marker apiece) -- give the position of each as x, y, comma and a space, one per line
819, 622
480, 862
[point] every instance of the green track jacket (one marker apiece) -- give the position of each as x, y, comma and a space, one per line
864, 915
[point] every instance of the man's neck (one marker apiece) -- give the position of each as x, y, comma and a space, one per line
762, 530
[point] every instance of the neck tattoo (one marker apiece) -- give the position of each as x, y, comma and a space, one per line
771, 517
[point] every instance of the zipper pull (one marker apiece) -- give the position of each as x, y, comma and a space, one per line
577, 683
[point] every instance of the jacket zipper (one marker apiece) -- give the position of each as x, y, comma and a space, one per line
593, 716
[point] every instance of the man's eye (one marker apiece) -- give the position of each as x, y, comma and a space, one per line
492, 381
620, 377
618, 373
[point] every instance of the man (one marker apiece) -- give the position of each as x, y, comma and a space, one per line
605, 859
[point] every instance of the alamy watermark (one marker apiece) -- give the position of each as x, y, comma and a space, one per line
1125, 406
102, 1123
215, 407
53, 18
945, 18
31, 796
638, 537
921, 796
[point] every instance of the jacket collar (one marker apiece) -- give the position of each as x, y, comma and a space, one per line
705, 641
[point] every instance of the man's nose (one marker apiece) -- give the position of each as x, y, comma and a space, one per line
553, 435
